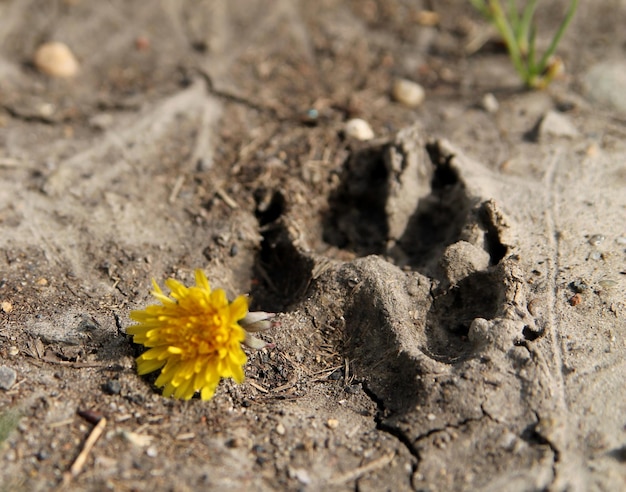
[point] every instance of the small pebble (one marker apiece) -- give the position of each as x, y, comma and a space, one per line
6, 306
579, 286
489, 103
555, 124
621, 241
427, 18
407, 92
359, 129
56, 59
42, 455
112, 387
596, 239
280, 430
152, 452
332, 423
142, 43
302, 476
431, 417
575, 300
13, 350
310, 117
204, 164
8, 377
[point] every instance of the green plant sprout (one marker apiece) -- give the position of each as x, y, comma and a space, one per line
518, 32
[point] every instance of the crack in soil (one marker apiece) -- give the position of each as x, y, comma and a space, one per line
389, 429
31, 118
211, 89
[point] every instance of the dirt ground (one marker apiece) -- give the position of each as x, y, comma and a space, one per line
450, 293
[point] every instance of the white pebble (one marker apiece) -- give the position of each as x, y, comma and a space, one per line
359, 129
407, 92
555, 124
56, 59
490, 103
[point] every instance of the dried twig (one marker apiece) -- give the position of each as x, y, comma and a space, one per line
178, 184
258, 387
80, 460
226, 198
362, 470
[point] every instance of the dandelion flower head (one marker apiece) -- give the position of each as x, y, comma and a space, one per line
193, 336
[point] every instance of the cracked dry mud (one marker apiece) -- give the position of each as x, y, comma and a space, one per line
428, 336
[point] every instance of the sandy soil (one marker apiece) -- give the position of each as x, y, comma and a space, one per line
450, 293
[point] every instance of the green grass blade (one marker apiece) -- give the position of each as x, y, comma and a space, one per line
525, 26
557, 37
506, 31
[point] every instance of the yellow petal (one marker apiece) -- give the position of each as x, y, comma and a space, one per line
202, 281
148, 366
239, 308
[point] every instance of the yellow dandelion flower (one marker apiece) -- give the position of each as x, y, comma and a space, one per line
194, 337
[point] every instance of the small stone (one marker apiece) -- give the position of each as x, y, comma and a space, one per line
359, 129
579, 286
431, 416
621, 241
489, 103
204, 164
152, 452
408, 93
596, 239
332, 423
42, 455
112, 387
13, 351
142, 43
280, 430
575, 300
6, 307
42, 282
8, 377
56, 59
555, 124
301, 475
427, 18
